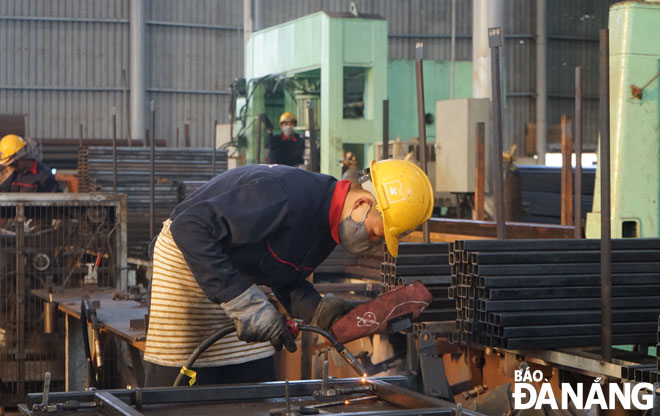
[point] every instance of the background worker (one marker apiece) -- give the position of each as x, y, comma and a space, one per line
286, 148
264, 225
21, 172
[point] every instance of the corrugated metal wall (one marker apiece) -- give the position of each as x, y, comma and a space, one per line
65, 62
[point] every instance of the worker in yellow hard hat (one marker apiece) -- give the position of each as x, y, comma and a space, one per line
286, 148
264, 225
405, 198
21, 172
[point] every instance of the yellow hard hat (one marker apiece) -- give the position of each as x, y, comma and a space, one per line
287, 116
405, 198
10, 146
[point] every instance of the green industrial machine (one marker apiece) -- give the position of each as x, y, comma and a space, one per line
337, 62
635, 123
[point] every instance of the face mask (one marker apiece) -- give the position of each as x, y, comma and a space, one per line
353, 235
287, 130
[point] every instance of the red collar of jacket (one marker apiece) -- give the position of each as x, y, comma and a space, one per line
336, 205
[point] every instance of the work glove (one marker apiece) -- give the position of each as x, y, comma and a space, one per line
329, 310
257, 320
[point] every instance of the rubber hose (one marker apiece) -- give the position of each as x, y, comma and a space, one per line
220, 333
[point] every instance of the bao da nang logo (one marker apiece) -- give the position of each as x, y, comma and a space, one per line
583, 395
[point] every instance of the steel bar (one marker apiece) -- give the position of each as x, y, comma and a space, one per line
21, 298
575, 341
564, 257
114, 150
541, 93
424, 248
228, 392
313, 155
445, 304
480, 173
421, 119
186, 133
575, 268
495, 43
558, 244
568, 304
570, 292
420, 259
579, 329
152, 187
386, 130
488, 229
577, 222
548, 281
438, 327
605, 230
437, 315
257, 155
421, 270
566, 170
113, 406
428, 280
213, 146
569, 317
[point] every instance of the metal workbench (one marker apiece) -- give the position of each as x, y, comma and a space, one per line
385, 396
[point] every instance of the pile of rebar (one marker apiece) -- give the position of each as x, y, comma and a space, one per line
427, 263
546, 293
173, 167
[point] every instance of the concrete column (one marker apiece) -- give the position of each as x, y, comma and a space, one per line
541, 83
485, 14
137, 69
247, 21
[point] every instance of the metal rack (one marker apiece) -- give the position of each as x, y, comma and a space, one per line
49, 240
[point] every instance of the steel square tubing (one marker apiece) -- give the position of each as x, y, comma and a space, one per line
438, 315
567, 304
439, 292
465, 258
421, 259
570, 317
628, 372
425, 279
545, 257
643, 373
576, 268
574, 341
444, 303
439, 327
434, 270
580, 329
423, 248
569, 292
558, 244
546, 280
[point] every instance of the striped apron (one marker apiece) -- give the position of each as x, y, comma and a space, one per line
181, 316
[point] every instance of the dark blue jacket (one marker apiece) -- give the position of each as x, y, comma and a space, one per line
285, 150
36, 179
259, 224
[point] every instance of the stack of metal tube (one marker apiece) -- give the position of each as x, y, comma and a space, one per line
546, 293
173, 168
427, 263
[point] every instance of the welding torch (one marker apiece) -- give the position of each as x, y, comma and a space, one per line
295, 328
